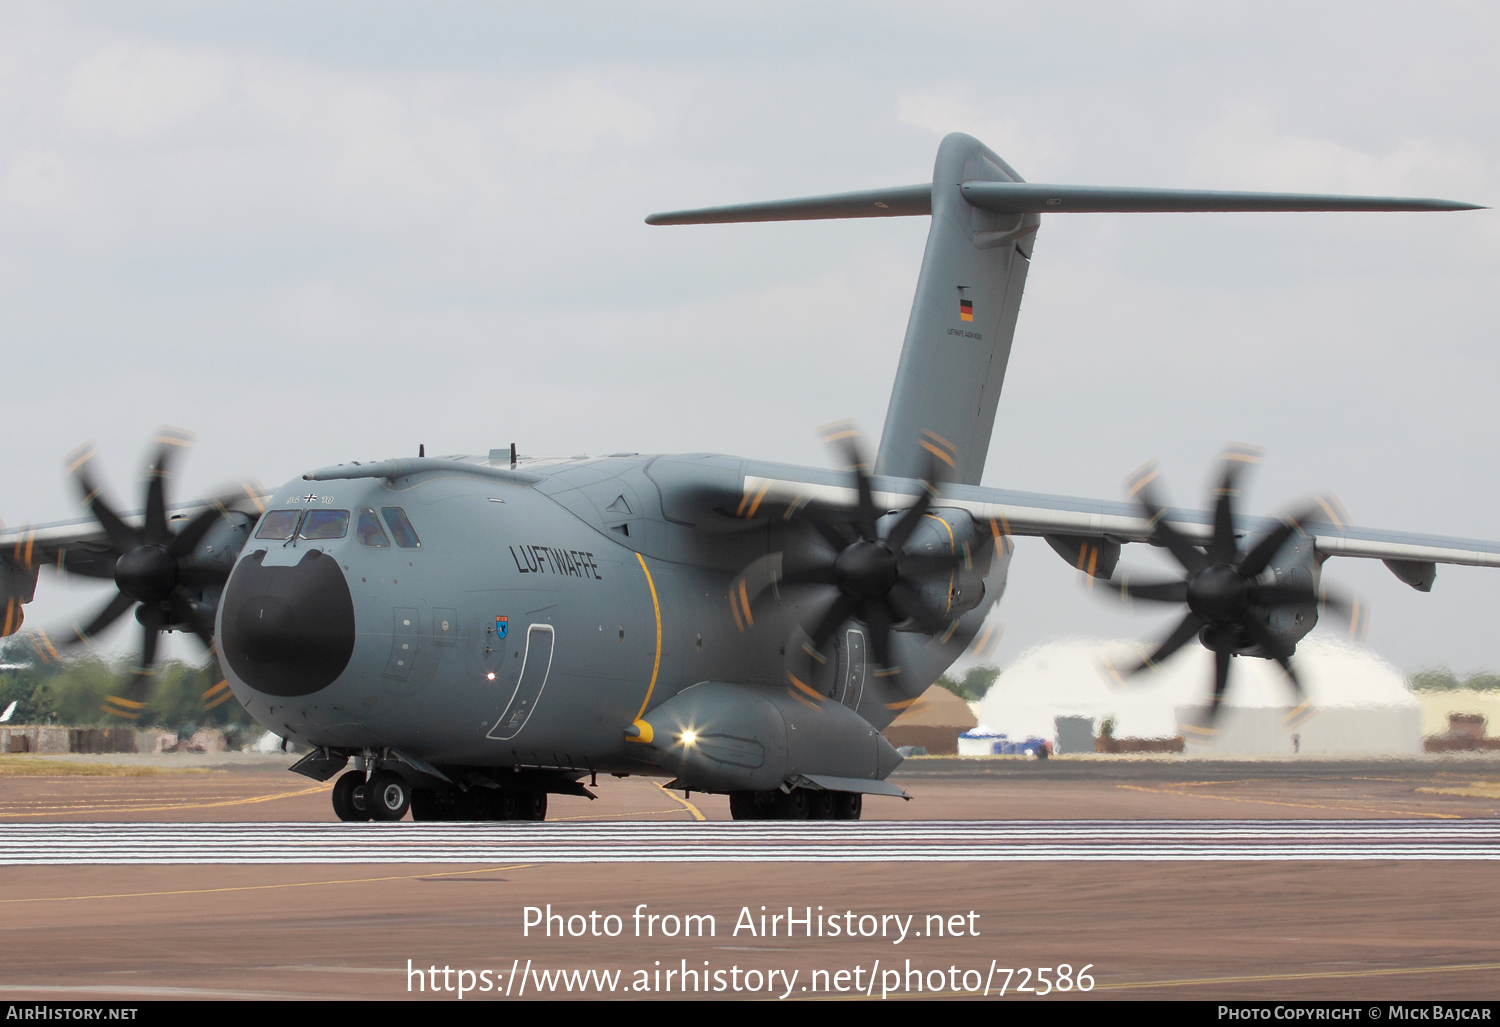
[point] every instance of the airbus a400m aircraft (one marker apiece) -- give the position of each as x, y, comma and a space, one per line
475, 633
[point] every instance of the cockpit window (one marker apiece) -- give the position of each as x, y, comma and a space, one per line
369, 530
279, 524
401, 529
325, 524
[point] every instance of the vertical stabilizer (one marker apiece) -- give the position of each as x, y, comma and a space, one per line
962, 319
984, 220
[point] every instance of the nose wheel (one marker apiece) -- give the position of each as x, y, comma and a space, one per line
349, 797
385, 796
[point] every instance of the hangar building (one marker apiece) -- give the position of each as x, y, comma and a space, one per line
1360, 704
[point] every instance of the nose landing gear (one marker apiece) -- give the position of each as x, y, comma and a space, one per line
349, 797
385, 796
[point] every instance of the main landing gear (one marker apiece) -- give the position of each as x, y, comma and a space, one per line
387, 796
798, 804
479, 804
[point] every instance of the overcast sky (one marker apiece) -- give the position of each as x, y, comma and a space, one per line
321, 232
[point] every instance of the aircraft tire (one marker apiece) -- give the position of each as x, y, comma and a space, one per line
777, 805
344, 805
848, 805
465, 805
822, 805
794, 805
387, 795
743, 806
530, 806
426, 806
505, 805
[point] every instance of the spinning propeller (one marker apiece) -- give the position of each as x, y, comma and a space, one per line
153, 567
872, 577
1229, 602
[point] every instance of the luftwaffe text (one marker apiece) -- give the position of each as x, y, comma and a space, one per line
549, 559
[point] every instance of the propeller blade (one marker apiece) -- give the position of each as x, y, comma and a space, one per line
914, 513
1222, 549
1232, 464
835, 534
1349, 609
1140, 487
906, 602
1261, 635
150, 616
761, 574
838, 611
1186, 630
1259, 556
811, 574
188, 612
188, 538
799, 664
1221, 682
878, 619
121, 535
170, 442
1151, 591
846, 439
86, 563
1187, 555
112, 612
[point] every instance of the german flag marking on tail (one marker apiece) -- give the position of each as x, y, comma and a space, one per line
966, 310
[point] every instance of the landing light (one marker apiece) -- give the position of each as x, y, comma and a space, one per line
690, 738
490, 675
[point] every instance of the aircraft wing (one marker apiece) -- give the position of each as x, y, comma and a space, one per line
79, 546
1072, 524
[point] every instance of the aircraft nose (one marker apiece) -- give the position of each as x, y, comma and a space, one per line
288, 631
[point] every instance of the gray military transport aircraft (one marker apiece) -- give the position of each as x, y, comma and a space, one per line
475, 633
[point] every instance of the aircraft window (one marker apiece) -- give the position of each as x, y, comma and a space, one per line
406, 535
369, 530
279, 524
325, 524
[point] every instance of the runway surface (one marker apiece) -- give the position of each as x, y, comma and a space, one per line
208, 877
710, 842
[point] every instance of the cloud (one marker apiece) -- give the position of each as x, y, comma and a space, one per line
1244, 149
134, 90
954, 109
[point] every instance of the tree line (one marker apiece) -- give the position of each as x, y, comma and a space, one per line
72, 692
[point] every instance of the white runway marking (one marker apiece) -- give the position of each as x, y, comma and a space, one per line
873, 841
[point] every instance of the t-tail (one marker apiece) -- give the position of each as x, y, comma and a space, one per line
984, 222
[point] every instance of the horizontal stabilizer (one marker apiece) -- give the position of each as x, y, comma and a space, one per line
1036, 198
900, 201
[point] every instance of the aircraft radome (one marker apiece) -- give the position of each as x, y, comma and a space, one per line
475, 633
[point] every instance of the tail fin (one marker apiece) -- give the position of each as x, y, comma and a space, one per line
984, 220
962, 319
